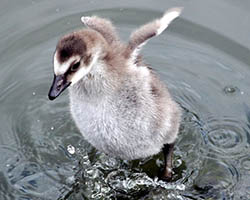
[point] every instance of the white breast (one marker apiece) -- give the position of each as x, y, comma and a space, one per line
120, 125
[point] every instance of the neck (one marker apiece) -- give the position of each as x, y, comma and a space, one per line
95, 84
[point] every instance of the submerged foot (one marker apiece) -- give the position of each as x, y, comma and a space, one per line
167, 172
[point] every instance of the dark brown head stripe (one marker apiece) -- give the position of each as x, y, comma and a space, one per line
70, 46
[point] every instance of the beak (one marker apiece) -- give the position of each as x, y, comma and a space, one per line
59, 84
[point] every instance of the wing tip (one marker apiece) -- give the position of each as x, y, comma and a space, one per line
168, 17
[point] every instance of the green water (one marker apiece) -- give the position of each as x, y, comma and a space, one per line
203, 57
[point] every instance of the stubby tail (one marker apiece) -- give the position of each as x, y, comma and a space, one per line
140, 36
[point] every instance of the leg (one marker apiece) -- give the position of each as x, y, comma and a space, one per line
168, 155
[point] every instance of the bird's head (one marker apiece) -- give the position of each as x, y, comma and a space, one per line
75, 56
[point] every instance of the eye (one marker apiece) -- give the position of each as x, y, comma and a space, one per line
75, 66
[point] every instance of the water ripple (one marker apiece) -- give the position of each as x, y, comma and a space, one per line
227, 137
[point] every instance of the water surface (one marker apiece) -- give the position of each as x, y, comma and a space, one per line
43, 155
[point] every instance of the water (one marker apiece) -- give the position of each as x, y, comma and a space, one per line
205, 65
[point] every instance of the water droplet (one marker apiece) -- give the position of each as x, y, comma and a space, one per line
57, 10
70, 180
230, 90
71, 149
52, 128
33, 93
178, 163
180, 187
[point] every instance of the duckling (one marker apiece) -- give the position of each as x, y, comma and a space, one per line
118, 103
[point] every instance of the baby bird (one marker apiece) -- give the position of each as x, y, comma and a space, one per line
118, 103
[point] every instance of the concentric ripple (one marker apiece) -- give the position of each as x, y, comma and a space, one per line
227, 137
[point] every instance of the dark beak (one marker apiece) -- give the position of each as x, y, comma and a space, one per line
59, 84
